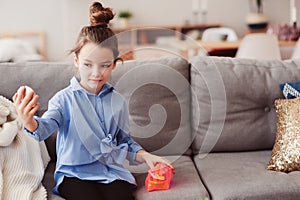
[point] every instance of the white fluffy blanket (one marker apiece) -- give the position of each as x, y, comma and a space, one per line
22, 159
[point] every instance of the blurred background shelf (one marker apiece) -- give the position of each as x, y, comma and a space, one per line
142, 35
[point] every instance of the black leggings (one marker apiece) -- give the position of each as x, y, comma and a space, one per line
76, 189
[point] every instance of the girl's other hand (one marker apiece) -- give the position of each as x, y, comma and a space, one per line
151, 160
26, 103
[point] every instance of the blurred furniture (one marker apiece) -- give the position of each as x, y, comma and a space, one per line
257, 22
259, 46
23, 46
296, 51
204, 47
137, 42
262, 30
141, 35
189, 49
222, 52
220, 48
219, 34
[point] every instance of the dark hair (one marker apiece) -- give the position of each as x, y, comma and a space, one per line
98, 31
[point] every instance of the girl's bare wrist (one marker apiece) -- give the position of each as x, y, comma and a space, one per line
139, 155
31, 126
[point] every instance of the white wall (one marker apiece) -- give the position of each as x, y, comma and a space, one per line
62, 19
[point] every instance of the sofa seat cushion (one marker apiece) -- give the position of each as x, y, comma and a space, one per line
186, 184
244, 176
158, 96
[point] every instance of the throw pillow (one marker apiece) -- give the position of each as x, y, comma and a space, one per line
286, 150
290, 90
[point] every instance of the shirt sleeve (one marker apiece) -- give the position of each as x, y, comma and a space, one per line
49, 122
133, 147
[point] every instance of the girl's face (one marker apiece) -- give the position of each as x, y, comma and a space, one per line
95, 65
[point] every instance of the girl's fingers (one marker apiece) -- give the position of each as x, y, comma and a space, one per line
19, 95
162, 160
150, 164
28, 97
15, 97
169, 163
34, 109
31, 104
166, 161
21, 92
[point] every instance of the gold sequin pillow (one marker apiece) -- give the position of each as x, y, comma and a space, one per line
286, 150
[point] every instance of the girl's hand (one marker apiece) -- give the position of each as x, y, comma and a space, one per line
151, 160
26, 102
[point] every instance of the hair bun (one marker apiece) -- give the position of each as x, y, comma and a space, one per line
100, 15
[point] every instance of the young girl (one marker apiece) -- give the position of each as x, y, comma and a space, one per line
92, 120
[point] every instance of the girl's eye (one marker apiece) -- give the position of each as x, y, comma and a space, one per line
105, 65
87, 65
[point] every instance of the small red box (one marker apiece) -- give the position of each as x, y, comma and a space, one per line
159, 177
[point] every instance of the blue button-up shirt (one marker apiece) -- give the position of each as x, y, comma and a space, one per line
93, 138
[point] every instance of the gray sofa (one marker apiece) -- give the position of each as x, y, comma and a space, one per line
213, 117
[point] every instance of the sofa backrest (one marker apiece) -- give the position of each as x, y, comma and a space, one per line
46, 78
158, 95
233, 102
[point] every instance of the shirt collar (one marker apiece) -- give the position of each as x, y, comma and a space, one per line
75, 85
